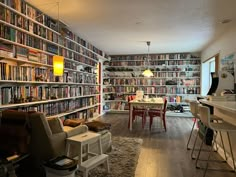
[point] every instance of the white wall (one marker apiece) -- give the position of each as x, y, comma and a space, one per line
224, 45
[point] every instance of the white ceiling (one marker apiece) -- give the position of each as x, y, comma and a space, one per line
123, 26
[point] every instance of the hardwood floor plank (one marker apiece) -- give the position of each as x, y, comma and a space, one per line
163, 154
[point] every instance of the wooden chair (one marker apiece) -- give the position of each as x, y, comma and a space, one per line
157, 113
137, 112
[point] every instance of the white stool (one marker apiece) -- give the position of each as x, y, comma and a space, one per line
88, 160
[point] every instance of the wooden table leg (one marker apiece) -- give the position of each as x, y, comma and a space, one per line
130, 117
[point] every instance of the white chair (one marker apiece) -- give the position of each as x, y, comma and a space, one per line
195, 111
216, 126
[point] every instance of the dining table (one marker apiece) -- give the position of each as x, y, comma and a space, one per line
146, 103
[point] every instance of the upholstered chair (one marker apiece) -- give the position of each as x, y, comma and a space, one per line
48, 138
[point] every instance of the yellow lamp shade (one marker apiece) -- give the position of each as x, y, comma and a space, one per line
58, 65
147, 73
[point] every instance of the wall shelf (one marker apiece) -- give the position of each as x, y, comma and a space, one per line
27, 45
176, 77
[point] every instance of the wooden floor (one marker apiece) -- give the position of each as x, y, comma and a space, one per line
163, 154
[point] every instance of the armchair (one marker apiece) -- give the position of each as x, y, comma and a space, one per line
48, 138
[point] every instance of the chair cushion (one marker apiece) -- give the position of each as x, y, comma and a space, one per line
67, 128
98, 126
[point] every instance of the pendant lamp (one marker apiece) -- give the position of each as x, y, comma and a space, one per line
147, 72
58, 61
58, 65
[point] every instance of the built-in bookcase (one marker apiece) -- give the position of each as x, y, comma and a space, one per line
28, 41
176, 77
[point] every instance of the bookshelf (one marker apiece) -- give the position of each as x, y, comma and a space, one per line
28, 41
176, 77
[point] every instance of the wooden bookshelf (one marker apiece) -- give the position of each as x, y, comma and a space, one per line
28, 41
176, 77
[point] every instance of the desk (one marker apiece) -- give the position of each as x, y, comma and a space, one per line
145, 103
227, 111
224, 109
91, 159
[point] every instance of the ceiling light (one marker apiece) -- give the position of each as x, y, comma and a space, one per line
147, 73
225, 21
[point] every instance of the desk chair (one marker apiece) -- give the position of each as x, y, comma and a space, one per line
157, 113
219, 126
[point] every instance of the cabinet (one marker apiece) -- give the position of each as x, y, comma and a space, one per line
176, 77
28, 41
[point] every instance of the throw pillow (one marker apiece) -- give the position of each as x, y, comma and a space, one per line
98, 126
73, 122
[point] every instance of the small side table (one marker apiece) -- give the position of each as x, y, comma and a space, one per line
86, 159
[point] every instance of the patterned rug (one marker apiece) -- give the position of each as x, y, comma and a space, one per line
123, 158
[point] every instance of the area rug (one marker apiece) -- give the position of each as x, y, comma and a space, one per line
123, 158
179, 114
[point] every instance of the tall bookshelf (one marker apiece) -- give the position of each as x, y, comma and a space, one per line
176, 77
28, 41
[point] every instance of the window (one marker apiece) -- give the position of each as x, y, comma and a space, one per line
207, 68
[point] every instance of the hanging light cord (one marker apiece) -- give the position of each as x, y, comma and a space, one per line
148, 44
58, 26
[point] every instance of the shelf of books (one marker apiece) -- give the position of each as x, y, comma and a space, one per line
176, 77
28, 41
